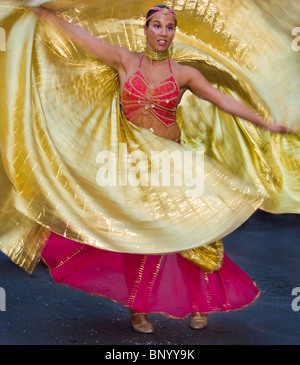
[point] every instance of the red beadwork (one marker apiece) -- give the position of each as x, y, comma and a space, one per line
140, 97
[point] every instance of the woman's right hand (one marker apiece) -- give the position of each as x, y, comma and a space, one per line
111, 55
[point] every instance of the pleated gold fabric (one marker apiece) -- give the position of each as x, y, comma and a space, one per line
208, 257
62, 129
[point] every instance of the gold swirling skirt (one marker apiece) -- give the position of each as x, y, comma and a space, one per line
60, 114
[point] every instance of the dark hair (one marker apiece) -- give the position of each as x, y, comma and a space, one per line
153, 11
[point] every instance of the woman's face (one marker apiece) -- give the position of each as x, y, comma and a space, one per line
160, 32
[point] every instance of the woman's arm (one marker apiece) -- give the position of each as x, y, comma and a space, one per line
107, 53
199, 86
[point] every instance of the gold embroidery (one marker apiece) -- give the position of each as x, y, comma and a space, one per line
154, 276
133, 293
208, 292
62, 262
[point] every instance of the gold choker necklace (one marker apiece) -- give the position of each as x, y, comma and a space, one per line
155, 56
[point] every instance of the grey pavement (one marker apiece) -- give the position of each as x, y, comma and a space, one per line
41, 312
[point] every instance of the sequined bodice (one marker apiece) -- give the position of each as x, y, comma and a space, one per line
141, 97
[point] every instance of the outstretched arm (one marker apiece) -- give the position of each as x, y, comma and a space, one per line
107, 53
199, 86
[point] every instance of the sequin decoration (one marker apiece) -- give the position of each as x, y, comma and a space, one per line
139, 96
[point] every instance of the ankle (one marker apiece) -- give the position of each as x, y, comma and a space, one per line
198, 314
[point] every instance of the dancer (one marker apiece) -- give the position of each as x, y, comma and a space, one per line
154, 71
151, 87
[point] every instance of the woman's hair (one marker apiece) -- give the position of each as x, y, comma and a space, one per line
153, 11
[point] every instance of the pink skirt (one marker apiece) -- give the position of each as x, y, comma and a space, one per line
168, 284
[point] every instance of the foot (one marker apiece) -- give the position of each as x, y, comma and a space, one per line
198, 321
140, 322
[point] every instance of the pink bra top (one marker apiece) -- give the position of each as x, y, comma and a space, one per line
141, 97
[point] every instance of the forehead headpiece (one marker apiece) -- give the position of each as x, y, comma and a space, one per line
157, 10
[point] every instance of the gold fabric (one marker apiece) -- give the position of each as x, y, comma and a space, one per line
60, 111
155, 56
209, 257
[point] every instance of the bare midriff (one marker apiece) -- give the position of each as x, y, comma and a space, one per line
149, 121
152, 106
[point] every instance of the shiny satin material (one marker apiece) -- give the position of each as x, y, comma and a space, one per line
207, 257
139, 96
60, 109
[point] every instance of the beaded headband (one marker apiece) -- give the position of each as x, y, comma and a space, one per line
161, 10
